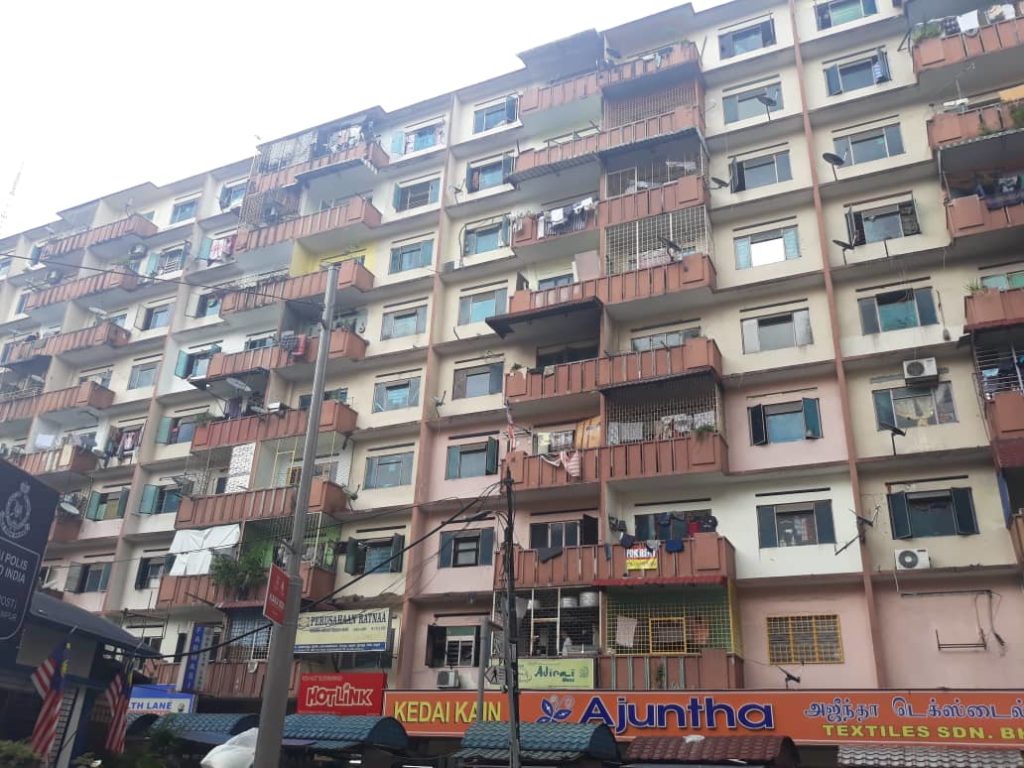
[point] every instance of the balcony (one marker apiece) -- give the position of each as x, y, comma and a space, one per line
231, 679
334, 417
223, 364
972, 215
74, 405
577, 150
72, 290
345, 347
567, 380
684, 192
993, 50
59, 467
75, 346
105, 240
361, 155
353, 277
332, 229
186, 591
259, 504
707, 559
673, 59
660, 284
994, 309
1005, 414
549, 98
642, 460
710, 669
537, 238
979, 138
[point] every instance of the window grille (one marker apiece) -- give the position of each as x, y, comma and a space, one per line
253, 647
804, 640
270, 207
664, 410
658, 102
996, 360
268, 536
653, 173
685, 623
645, 243
555, 622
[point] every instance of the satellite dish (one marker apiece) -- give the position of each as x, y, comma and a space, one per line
69, 509
238, 384
100, 313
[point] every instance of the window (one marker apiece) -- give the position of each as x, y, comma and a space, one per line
258, 342
411, 256
453, 646
487, 237
88, 578
503, 113
392, 395
231, 196
896, 310
19, 305
416, 195
745, 105
836, 12
466, 549
389, 471
149, 572
417, 139
866, 146
932, 513
480, 306
553, 441
156, 317
403, 322
1004, 282
792, 329
208, 305
108, 505
884, 223
568, 533
854, 75
804, 640
795, 525
120, 319
170, 261
488, 173
5, 267
547, 283
339, 395
142, 375
184, 210
906, 407
159, 500
566, 353
769, 247
663, 339
192, 364
673, 525
478, 381
759, 171
472, 460
381, 555
747, 39
785, 422
173, 430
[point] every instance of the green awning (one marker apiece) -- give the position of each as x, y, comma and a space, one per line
540, 742
205, 728
335, 733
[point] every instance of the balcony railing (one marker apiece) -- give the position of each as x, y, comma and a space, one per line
946, 128
231, 679
671, 57
695, 356
684, 192
557, 224
564, 154
975, 214
184, 591
105, 334
70, 459
936, 52
371, 154
334, 417
1004, 412
710, 669
702, 452
133, 225
541, 98
265, 358
707, 558
86, 395
353, 212
994, 309
82, 287
259, 504
351, 275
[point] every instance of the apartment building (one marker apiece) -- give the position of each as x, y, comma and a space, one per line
746, 283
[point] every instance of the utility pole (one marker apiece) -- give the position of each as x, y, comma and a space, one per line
511, 629
282, 636
485, 661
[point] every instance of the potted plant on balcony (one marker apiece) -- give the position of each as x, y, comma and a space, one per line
240, 574
985, 305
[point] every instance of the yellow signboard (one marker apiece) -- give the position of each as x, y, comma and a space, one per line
343, 631
640, 557
550, 674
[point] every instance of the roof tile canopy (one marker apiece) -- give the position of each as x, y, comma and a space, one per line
711, 750
877, 756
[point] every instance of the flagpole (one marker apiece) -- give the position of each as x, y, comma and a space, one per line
74, 700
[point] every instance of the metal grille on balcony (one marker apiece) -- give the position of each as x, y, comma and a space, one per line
654, 173
250, 647
684, 623
270, 207
286, 152
266, 536
630, 110
998, 358
657, 240
663, 411
555, 622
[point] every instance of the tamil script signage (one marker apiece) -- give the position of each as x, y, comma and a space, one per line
159, 700
344, 693
555, 674
343, 631
26, 514
948, 717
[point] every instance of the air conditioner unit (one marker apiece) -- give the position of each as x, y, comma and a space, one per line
922, 371
448, 678
54, 276
912, 560
276, 407
450, 266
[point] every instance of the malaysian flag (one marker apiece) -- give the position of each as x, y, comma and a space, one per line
116, 695
48, 680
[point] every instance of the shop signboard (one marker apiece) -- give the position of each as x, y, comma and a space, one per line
554, 674
937, 717
159, 700
343, 631
641, 557
343, 693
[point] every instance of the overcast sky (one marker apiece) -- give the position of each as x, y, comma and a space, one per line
106, 94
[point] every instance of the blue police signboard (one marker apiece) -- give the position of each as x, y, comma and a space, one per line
26, 513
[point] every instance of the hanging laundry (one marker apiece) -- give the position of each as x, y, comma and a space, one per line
572, 463
950, 26
627, 540
625, 631
968, 22
674, 545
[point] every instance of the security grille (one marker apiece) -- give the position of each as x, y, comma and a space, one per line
656, 240
629, 110
653, 173
684, 623
555, 622
996, 359
804, 640
664, 410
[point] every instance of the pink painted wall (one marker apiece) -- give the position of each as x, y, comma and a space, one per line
909, 623
757, 604
470, 487
432, 580
415, 640
744, 457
